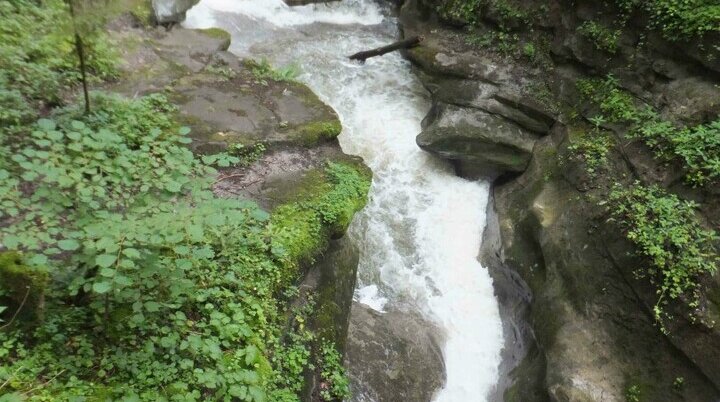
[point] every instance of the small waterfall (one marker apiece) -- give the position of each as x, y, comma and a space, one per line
420, 233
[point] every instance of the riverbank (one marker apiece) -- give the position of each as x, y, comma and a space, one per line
412, 275
191, 290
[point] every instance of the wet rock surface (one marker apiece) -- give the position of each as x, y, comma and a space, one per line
482, 117
393, 356
226, 105
480, 141
578, 322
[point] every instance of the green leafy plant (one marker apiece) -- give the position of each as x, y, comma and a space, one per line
263, 70
463, 10
678, 20
603, 38
616, 105
698, 147
529, 51
678, 251
37, 53
679, 383
334, 385
592, 148
158, 289
633, 394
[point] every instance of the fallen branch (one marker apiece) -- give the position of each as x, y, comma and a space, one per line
403, 44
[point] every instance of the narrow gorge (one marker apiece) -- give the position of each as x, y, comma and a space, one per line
208, 200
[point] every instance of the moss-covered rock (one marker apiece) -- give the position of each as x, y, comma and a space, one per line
22, 287
141, 10
316, 132
219, 34
321, 208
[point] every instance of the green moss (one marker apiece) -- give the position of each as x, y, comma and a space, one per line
142, 10
322, 208
317, 131
424, 55
217, 33
22, 286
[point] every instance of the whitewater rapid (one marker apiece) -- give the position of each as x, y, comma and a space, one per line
420, 233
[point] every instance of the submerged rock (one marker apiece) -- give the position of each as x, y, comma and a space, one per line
393, 356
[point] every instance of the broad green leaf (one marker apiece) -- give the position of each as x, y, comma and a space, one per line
101, 287
46, 124
68, 244
195, 232
38, 260
131, 253
152, 306
173, 186
107, 272
105, 260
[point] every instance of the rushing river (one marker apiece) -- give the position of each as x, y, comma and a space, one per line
421, 230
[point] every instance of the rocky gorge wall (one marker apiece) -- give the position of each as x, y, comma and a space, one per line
504, 81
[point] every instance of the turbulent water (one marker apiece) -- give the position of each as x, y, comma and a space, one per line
420, 232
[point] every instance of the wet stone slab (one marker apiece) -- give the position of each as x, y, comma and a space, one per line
393, 356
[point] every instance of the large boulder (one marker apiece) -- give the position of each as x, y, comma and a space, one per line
482, 143
393, 356
171, 11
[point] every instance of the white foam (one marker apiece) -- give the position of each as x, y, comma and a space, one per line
370, 296
278, 13
420, 233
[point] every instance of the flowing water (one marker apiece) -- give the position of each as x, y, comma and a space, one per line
421, 230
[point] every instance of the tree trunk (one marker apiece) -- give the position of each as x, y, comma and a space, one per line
79, 49
403, 44
83, 72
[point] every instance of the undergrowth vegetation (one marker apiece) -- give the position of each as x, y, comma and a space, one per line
678, 250
37, 59
678, 19
675, 19
263, 70
592, 147
604, 38
159, 290
122, 276
697, 148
